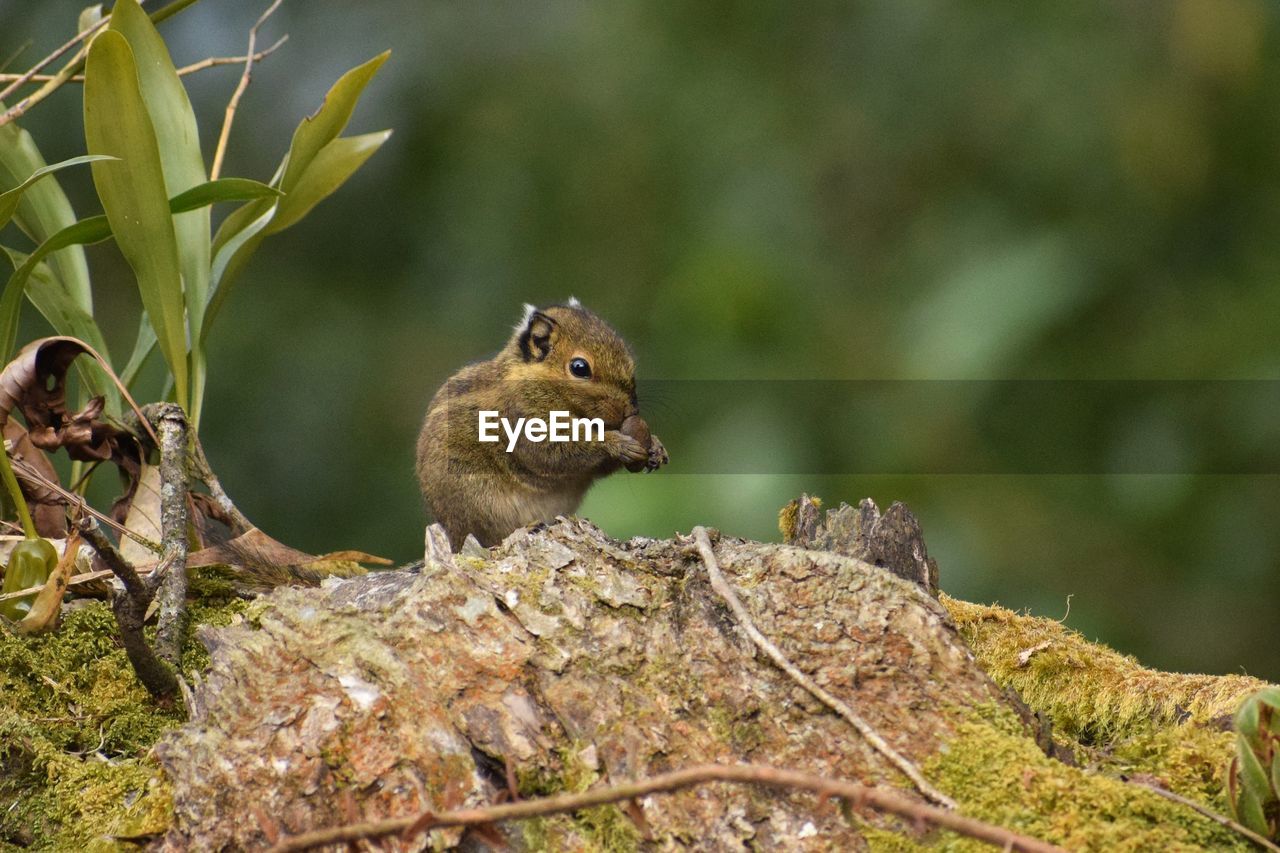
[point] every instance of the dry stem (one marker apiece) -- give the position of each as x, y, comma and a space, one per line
203, 472
76, 502
243, 84
130, 610
858, 795
193, 68
76, 65
718, 583
74, 580
1209, 813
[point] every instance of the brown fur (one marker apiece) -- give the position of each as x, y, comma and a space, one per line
478, 488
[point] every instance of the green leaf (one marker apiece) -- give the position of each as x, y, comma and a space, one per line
312, 134
95, 229
244, 230
223, 189
319, 129
89, 16
51, 298
1249, 812
143, 346
1247, 718
231, 259
1255, 780
133, 192
9, 200
330, 169
1275, 775
44, 209
178, 139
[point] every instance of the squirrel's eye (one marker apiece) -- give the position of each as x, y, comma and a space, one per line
579, 368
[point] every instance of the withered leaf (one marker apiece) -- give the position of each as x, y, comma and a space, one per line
263, 563
36, 383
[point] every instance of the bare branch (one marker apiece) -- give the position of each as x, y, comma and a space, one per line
76, 65
703, 544
193, 68
30, 74
74, 580
202, 471
1209, 813
858, 795
130, 610
134, 585
243, 84
171, 423
215, 61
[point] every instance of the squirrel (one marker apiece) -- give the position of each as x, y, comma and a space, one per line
562, 358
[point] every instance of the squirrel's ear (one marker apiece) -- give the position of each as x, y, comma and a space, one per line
535, 337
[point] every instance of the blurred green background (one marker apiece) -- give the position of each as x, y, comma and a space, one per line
903, 189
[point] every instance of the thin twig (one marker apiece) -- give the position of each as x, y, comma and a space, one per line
71, 581
243, 84
858, 795
1209, 813
30, 73
52, 85
193, 68
718, 583
134, 584
202, 471
171, 596
77, 502
215, 61
76, 65
130, 610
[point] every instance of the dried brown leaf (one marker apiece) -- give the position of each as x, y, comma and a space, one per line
353, 557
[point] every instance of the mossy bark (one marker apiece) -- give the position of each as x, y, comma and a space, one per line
573, 660
564, 659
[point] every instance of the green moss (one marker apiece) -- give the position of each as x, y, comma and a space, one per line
75, 731
997, 774
608, 829
535, 834
605, 827
1119, 719
1093, 694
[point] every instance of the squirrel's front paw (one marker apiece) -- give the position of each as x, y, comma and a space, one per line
657, 455
625, 448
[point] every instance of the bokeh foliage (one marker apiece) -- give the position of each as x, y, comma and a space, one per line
756, 190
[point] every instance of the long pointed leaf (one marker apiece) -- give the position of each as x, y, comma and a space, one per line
9, 200
244, 230
44, 209
322, 127
330, 169
95, 229
133, 192
312, 134
178, 139
143, 346
231, 259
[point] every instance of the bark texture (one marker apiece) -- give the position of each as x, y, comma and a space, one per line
563, 659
